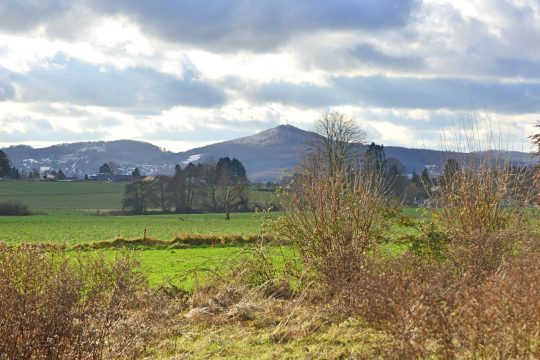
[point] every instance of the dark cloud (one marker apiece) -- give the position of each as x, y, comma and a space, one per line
221, 25
259, 25
410, 93
23, 15
369, 55
360, 56
43, 130
440, 93
525, 68
131, 89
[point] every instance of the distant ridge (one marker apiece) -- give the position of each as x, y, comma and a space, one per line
266, 155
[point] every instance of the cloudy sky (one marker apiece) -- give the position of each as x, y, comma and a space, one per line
185, 73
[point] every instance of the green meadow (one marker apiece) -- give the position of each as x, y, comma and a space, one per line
83, 195
72, 228
63, 195
74, 213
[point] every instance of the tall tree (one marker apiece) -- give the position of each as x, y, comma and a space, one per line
5, 164
451, 170
232, 184
163, 190
395, 180
338, 136
139, 196
178, 190
375, 157
15, 174
105, 169
426, 179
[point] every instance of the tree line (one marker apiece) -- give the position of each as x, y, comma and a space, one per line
220, 186
6, 170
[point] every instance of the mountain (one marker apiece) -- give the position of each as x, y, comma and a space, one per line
78, 159
266, 155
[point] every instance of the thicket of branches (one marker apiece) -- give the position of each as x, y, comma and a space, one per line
58, 306
220, 186
466, 283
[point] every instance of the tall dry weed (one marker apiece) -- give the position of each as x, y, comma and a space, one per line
56, 306
482, 201
334, 221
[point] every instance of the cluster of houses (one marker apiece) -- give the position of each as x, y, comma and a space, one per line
46, 173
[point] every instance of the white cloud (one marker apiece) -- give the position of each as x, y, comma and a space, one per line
182, 73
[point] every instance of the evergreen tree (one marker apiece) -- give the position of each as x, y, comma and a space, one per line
105, 169
15, 173
375, 157
451, 169
237, 169
136, 173
426, 179
60, 175
5, 164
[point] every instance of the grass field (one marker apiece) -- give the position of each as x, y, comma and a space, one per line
80, 227
63, 195
82, 195
185, 267
68, 215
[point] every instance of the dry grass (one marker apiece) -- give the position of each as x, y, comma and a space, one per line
54, 307
467, 289
180, 241
484, 213
334, 221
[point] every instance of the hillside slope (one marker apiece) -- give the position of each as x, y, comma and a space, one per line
266, 155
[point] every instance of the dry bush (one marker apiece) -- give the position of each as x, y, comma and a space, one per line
334, 221
335, 207
333, 218
468, 288
248, 275
60, 307
434, 312
482, 200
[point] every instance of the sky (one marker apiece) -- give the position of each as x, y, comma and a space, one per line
185, 73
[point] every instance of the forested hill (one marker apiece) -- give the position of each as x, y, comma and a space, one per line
265, 155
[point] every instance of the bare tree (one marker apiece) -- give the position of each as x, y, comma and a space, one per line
232, 186
139, 196
334, 208
338, 137
164, 187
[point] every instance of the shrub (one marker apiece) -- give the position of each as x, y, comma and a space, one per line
60, 307
334, 222
14, 209
467, 288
